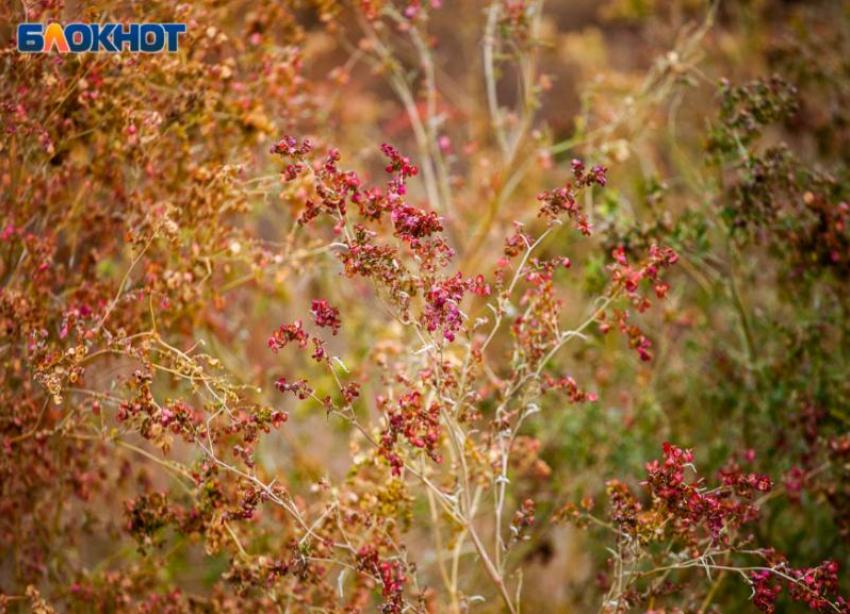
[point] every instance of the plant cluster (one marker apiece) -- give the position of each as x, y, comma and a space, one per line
254, 358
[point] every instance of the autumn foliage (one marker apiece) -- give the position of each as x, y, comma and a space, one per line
411, 306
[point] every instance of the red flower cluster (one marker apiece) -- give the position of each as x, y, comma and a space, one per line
596, 175
695, 524
564, 199
442, 310
419, 425
289, 147
815, 587
325, 315
389, 573
286, 334
691, 505
333, 186
412, 224
442, 303
517, 243
766, 589
299, 388
568, 386
628, 279
398, 163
